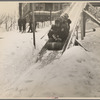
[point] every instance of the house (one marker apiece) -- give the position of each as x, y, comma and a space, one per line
42, 11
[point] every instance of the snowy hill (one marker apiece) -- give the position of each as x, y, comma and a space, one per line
75, 74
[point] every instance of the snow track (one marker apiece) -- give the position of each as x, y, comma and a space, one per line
78, 7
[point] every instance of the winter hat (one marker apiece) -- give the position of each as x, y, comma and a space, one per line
57, 21
66, 15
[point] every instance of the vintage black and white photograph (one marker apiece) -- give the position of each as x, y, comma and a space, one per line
49, 49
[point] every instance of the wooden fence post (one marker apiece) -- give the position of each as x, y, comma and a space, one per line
33, 25
83, 22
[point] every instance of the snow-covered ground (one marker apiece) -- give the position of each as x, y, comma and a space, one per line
75, 74
17, 54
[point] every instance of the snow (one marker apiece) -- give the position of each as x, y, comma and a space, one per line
16, 54
75, 74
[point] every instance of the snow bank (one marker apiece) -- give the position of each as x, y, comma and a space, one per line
75, 74
17, 53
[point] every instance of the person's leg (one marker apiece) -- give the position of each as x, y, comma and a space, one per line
19, 28
50, 34
35, 27
51, 40
29, 29
23, 28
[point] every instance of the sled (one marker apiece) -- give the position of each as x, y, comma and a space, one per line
53, 47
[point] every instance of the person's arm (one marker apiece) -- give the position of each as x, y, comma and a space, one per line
69, 21
55, 38
18, 21
51, 31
